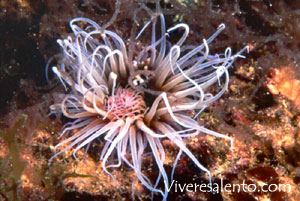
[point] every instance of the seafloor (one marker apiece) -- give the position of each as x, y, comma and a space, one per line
260, 110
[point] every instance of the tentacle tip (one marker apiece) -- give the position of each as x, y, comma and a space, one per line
75, 157
54, 69
51, 159
232, 146
248, 49
221, 26
113, 75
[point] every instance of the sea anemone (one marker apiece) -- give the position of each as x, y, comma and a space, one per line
135, 94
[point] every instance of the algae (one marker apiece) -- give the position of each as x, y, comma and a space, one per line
9, 136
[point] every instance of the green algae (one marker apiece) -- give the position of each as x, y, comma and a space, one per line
9, 136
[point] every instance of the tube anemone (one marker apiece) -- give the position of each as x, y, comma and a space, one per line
134, 97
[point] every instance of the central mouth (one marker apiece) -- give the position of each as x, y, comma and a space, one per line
125, 103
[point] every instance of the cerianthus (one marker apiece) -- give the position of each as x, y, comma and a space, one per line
135, 94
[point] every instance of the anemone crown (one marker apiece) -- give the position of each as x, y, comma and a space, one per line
136, 97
